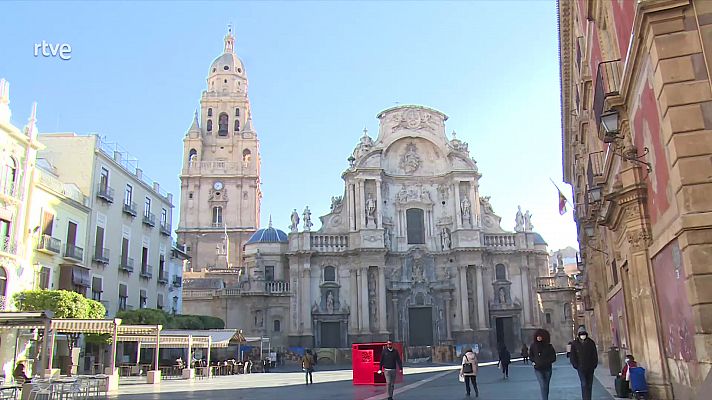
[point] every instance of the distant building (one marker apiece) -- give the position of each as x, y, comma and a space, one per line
128, 235
569, 257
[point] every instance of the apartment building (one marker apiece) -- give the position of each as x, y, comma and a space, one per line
129, 229
58, 224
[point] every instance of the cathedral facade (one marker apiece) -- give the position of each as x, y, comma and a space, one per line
410, 251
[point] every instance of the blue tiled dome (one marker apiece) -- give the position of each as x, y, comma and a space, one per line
538, 240
268, 235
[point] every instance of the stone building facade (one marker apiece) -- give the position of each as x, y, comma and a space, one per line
635, 81
410, 251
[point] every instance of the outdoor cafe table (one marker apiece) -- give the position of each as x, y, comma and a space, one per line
9, 392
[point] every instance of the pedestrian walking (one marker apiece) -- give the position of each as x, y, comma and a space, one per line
542, 355
584, 358
505, 358
308, 366
468, 371
525, 353
390, 360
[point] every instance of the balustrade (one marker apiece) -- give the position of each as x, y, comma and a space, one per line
330, 243
503, 240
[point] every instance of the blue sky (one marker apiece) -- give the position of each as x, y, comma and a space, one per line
319, 72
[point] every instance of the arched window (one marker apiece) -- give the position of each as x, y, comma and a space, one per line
500, 272
223, 120
10, 175
210, 125
217, 215
329, 274
567, 311
416, 226
246, 158
192, 155
237, 112
237, 125
3, 281
277, 325
210, 112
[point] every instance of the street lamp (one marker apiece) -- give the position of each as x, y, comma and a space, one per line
609, 121
595, 194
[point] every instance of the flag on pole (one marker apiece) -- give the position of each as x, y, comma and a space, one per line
562, 202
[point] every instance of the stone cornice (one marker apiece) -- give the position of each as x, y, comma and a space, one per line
565, 49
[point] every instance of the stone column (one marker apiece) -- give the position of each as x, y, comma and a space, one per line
360, 205
354, 308
475, 209
306, 318
379, 206
465, 306
526, 295
481, 318
448, 326
382, 300
363, 297
351, 205
458, 212
396, 321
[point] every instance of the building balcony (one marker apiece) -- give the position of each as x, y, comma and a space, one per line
74, 252
105, 193
8, 246
149, 219
165, 229
101, 255
559, 282
502, 241
130, 209
10, 191
595, 167
4, 303
126, 264
146, 271
330, 243
162, 278
48, 244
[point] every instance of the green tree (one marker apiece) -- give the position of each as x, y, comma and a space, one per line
63, 303
149, 316
143, 316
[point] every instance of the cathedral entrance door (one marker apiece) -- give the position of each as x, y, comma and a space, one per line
420, 326
331, 334
505, 332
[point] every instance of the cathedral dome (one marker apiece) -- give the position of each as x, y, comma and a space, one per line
268, 235
227, 63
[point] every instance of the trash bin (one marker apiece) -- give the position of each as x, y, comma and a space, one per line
614, 361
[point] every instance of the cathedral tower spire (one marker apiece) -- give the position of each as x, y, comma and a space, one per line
229, 40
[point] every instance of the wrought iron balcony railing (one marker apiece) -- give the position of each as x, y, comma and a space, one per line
101, 255
149, 219
105, 193
49, 244
130, 208
74, 252
126, 264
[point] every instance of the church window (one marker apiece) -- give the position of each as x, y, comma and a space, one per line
269, 273
567, 311
277, 325
226, 68
190, 195
210, 125
416, 226
192, 155
217, 216
547, 316
237, 125
239, 70
329, 274
222, 124
225, 81
500, 272
215, 69
210, 112
237, 112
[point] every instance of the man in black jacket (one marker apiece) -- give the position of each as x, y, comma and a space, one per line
542, 355
390, 360
584, 358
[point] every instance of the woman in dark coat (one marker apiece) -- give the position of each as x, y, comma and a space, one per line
542, 355
505, 357
525, 353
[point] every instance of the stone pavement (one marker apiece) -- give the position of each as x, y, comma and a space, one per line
421, 383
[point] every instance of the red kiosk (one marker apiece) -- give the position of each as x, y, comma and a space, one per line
365, 360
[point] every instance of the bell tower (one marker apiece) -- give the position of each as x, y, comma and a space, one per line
220, 179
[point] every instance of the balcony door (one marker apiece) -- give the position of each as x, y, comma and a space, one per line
71, 234
99, 240
47, 223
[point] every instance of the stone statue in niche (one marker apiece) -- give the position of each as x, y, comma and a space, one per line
465, 207
502, 296
418, 274
258, 319
307, 219
445, 240
371, 208
443, 192
246, 158
294, 227
519, 220
387, 238
410, 161
330, 302
528, 227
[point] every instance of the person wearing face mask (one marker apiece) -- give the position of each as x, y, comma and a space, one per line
584, 358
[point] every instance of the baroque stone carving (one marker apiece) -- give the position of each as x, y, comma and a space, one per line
457, 144
411, 119
519, 220
443, 192
330, 302
294, 227
528, 226
638, 239
336, 204
466, 211
370, 209
413, 193
486, 205
307, 219
445, 239
410, 160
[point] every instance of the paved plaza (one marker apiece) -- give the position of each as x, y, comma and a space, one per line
421, 383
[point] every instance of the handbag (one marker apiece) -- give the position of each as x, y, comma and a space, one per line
467, 366
461, 378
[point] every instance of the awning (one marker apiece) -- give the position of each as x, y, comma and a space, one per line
81, 276
218, 338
